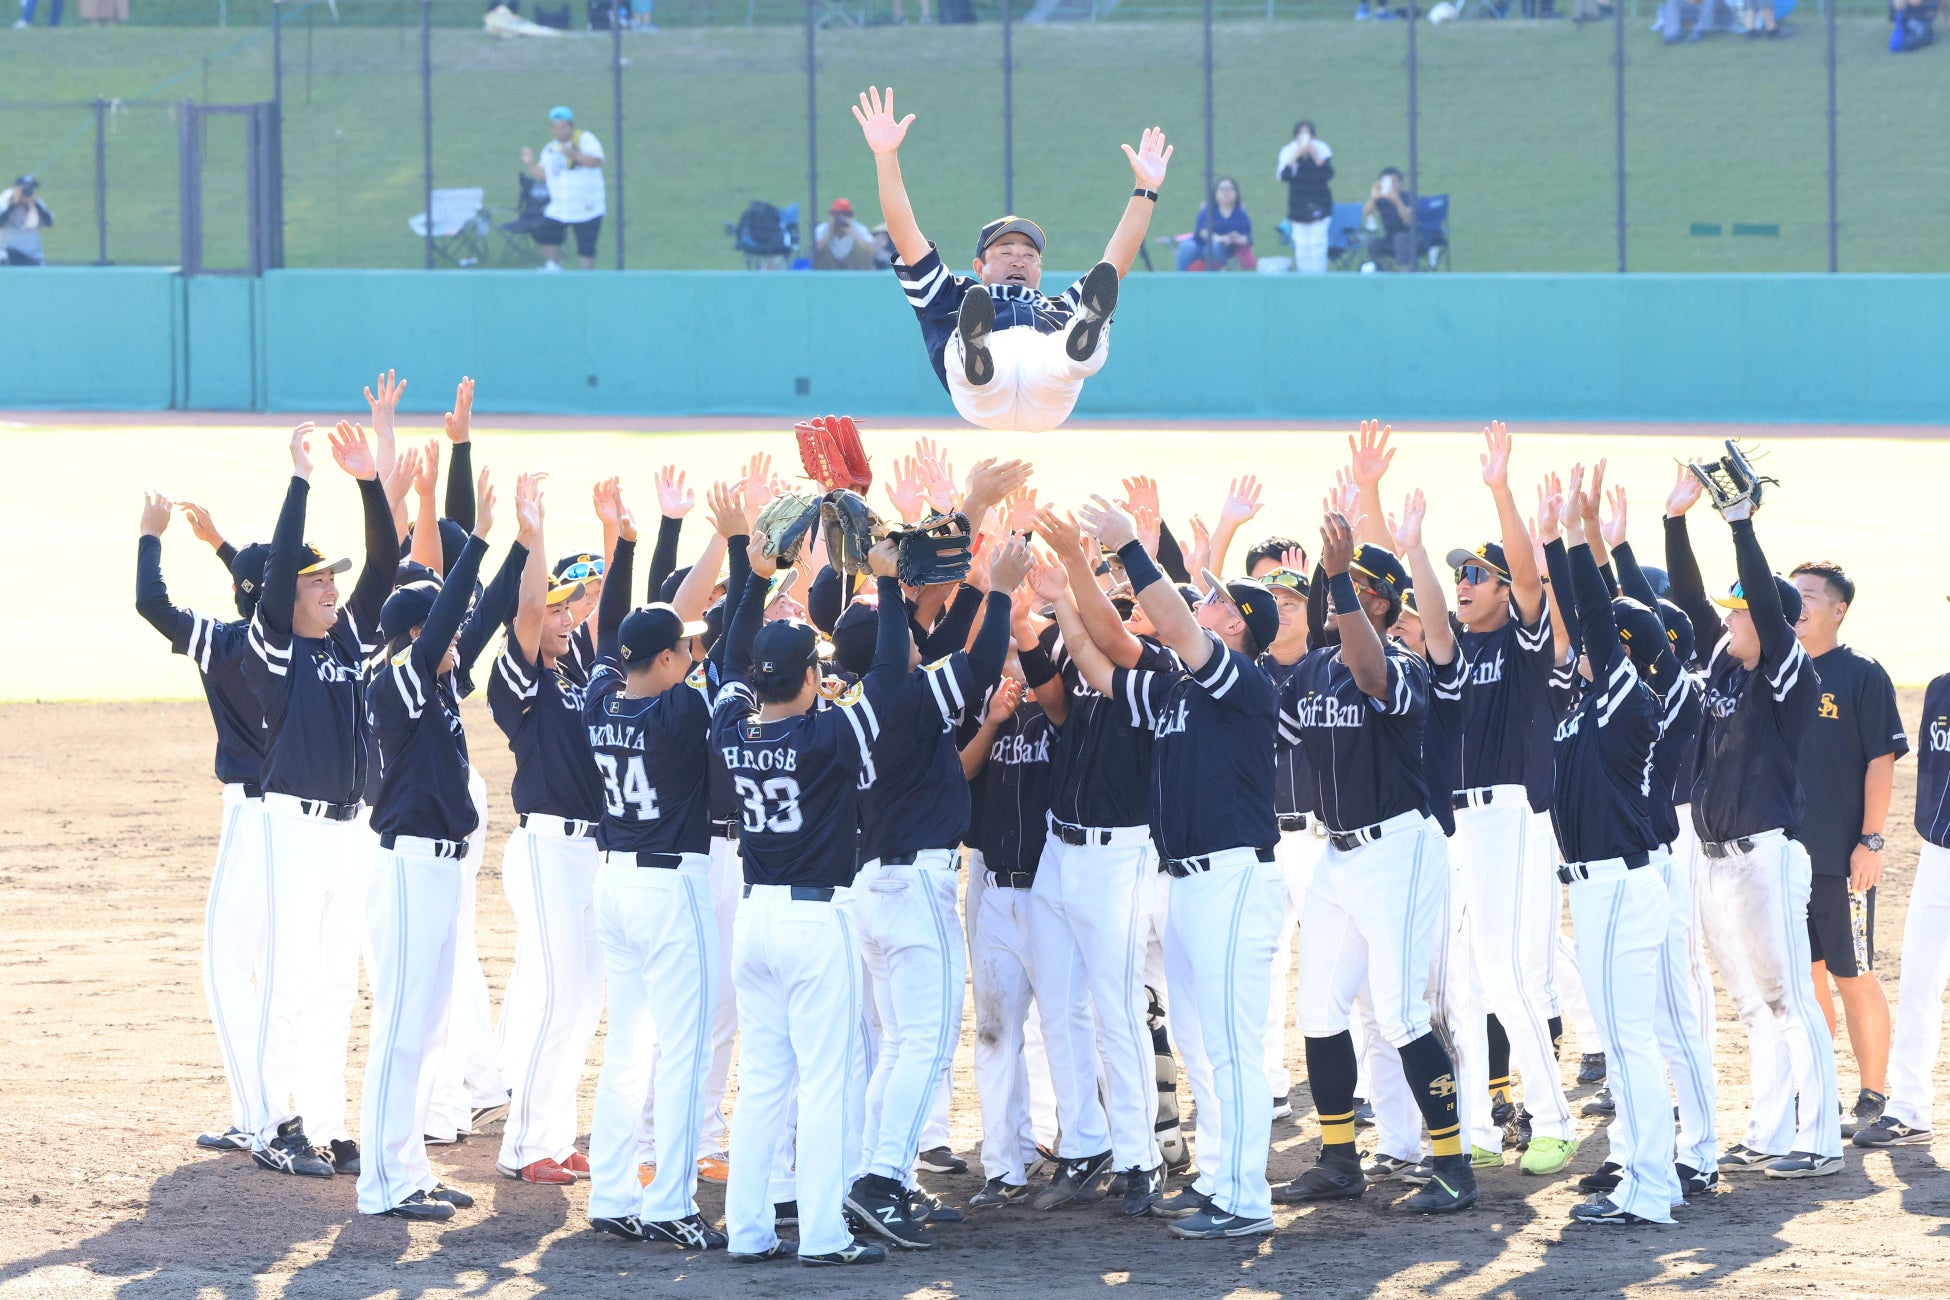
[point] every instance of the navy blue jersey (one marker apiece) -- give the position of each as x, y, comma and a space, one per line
1293, 779
798, 782
1366, 753
539, 709
1442, 738
1933, 765
1601, 800
651, 752
218, 649
1102, 768
1672, 755
414, 711
1212, 768
1508, 707
1011, 792
935, 294
1681, 738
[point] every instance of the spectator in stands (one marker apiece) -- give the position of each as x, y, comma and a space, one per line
1757, 16
1389, 218
1692, 20
883, 248
1221, 233
1307, 165
572, 166
1915, 24
840, 243
22, 218
900, 11
103, 13
26, 18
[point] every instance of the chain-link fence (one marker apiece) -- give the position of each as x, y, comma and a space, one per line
1570, 140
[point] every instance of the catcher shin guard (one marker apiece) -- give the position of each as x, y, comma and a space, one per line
830, 451
786, 521
1171, 1138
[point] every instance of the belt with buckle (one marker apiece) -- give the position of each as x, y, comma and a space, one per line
1475, 798
1179, 868
1567, 872
1012, 879
725, 830
1290, 822
910, 858
440, 848
805, 893
1726, 848
331, 812
1069, 834
664, 861
571, 826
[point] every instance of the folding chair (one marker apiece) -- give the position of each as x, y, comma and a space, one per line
1344, 237
531, 197
1432, 231
461, 223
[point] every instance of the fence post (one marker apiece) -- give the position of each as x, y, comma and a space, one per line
1834, 162
101, 181
1414, 145
277, 56
426, 116
1209, 168
1008, 108
1618, 115
808, 218
276, 237
616, 149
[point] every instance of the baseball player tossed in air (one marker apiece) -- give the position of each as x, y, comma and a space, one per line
1906, 1116
1378, 894
1761, 696
308, 669
423, 813
647, 709
1008, 356
234, 917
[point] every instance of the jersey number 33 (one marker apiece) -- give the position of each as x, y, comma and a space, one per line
772, 806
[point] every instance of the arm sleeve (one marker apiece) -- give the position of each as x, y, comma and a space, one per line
1171, 557
1569, 597
226, 555
281, 566
1631, 578
382, 561
495, 607
1594, 623
1777, 639
737, 574
615, 601
1689, 589
449, 608
663, 560
951, 633
891, 636
151, 594
1037, 666
741, 628
460, 485
991, 647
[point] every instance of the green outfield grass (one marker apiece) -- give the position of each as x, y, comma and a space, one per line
1516, 125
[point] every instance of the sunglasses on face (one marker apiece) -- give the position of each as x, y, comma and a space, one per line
1476, 573
582, 571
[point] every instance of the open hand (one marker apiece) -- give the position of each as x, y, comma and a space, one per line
727, 511
1685, 491
760, 486
1002, 704
1496, 455
353, 453
383, 401
155, 514
673, 498
201, 524
1060, 531
1112, 526
1140, 493
1613, 527
458, 419
1150, 158
1369, 454
1336, 543
1242, 501
1009, 564
1407, 531
1048, 579
875, 114
528, 509
1019, 511
301, 450
483, 504
426, 472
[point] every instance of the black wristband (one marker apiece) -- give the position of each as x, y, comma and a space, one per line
1142, 193
1037, 666
1341, 588
1138, 566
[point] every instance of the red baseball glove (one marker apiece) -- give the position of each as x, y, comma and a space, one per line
830, 450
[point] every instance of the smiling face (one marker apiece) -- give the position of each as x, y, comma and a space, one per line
558, 621
1822, 610
1408, 630
1012, 259
317, 607
1743, 643
580, 610
1292, 636
1482, 606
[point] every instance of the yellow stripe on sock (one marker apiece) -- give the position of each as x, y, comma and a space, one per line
1337, 1130
1447, 1141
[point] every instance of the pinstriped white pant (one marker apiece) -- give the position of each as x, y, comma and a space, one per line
1919, 998
412, 910
1689, 1057
233, 946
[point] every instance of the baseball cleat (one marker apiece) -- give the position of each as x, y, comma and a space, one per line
715, 1167
576, 1163
690, 1232
424, 1208
940, 1160
854, 1252
1741, 1156
1095, 303
780, 1249
488, 1114
628, 1227
1890, 1132
1451, 1187
1283, 1105
1363, 1113
880, 1206
1334, 1178
1868, 1109
924, 1206
1381, 1167
1548, 1155
1599, 1209
974, 323
453, 1196
1694, 1183
344, 1156
997, 1193
437, 1140
1599, 1103
290, 1152
544, 1172
1515, 1122
1185, 1201
785, 1214
1143, 1189
1212, 1224
1078, 1181
1804, 1164
231, 1139
1481, 1159
1604, 1178
1591, 1067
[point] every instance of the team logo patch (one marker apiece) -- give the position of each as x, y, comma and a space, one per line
1443, 1086
1829, 709
853, 694
399, 660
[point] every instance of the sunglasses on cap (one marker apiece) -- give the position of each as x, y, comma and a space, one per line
1286, 580
1477, 573
582, 571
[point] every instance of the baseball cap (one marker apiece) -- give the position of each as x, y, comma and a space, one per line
412, 571
1383, 570
649, 630
1661, 584
1644, 635
561, 113
823, 599
1679, 630
312, 560
559, 591
407, 608
842, 205
1251, 602
1001, 226
785, 649
1408, 603
781, 585
1287, 580
579, 568
247, 575
853, 637
1487, 556
1790, 599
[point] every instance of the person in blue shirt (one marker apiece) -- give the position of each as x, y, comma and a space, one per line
1222, 232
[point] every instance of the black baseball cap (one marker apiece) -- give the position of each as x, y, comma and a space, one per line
410, 571
1790, 599
1661, 584
1290, 580
824, 598
1251, 601
1383, 570
407, 608
1644, 635
1679, 630
649, 630
854, 633
247, 575
579, 568
1001, 226
312, 560
1487, 556
785, 649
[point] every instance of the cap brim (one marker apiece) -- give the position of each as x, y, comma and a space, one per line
1730, 602
562, 594
1213, 584
1459, 557
782, 584
694, 627
326, 566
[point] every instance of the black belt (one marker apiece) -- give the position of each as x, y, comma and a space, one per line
910, 858
1012, 879
1460, 799
1726, 848
441, 848
1179, 868
575, 826
1568, 872
805, 893
1069, 834
1290, 822
1348, 841
667, 861
331, 812
252, 790
726, 830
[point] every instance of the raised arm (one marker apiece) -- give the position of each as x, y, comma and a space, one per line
353, 454
207, 532
382, 400
731, 536
891, 637
1631, 578
1431, 598
615, 602
460, 471
1526, 583
1169, 614
531, 601
1369, 456
1361, 648
1092, 664
991, 647
1148, 163
1039, 673
1682, 568
450, 606
151, 594
288, 539
1106, 630
674, 501
884, 133
499, 600
1002, 707
427, 550
1777, 639
1242, 503
746, 613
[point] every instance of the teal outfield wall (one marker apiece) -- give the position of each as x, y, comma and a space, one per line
1637, 347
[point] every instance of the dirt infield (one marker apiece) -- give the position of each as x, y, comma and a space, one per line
107, 830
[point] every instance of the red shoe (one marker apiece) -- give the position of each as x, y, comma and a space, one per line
545, 1172
577, 1164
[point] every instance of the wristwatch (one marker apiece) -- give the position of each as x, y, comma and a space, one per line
1873, 843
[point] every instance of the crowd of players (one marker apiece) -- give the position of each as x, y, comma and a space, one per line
742, 809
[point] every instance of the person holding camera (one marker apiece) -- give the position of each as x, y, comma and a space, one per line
1307, 165
571, 165
22, 218
841, 243
1389, 218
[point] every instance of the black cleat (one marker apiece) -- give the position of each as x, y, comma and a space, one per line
780, 1249
1078, 1181
1212, 1224
1381, 1167
1600, 1210
232, 1139
1740, 1157
1891, 1132
1606, 1177
1599, 1103
1143, 1189
975, 322
940, 1160
996, 1193
1868, 1109
453, 1196
628, 1227
690, 1232
422, 1208
1591, 1067
1363, 1113
854, 1252
1451, 1187
924, 1206
343, 1155
880, 1206
1182, 1204
785, 1214
1094, 305
1694, 1183
290, 1152
1333, 1179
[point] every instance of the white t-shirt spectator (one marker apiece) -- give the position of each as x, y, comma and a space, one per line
842, 248
574, 193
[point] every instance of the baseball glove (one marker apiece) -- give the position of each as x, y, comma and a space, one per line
850, 528
787, 521
935, 550
1732, 483
830, 450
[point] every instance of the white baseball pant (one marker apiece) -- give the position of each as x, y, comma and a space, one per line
1223, 922
659, 943
1919, 994
917, 968
1571, 1000
1706, 1006
801, 1001
233, 944
999, 962
1688, 1058
727, 880
314, 890
1296, 853
555, 995
1399, 1126
412, 910
1042, 1093
1758, 925
1164, 963
466, 1072
1621, 920
1036, 385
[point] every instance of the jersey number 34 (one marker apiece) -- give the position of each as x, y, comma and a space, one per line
634, 790
773, 806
